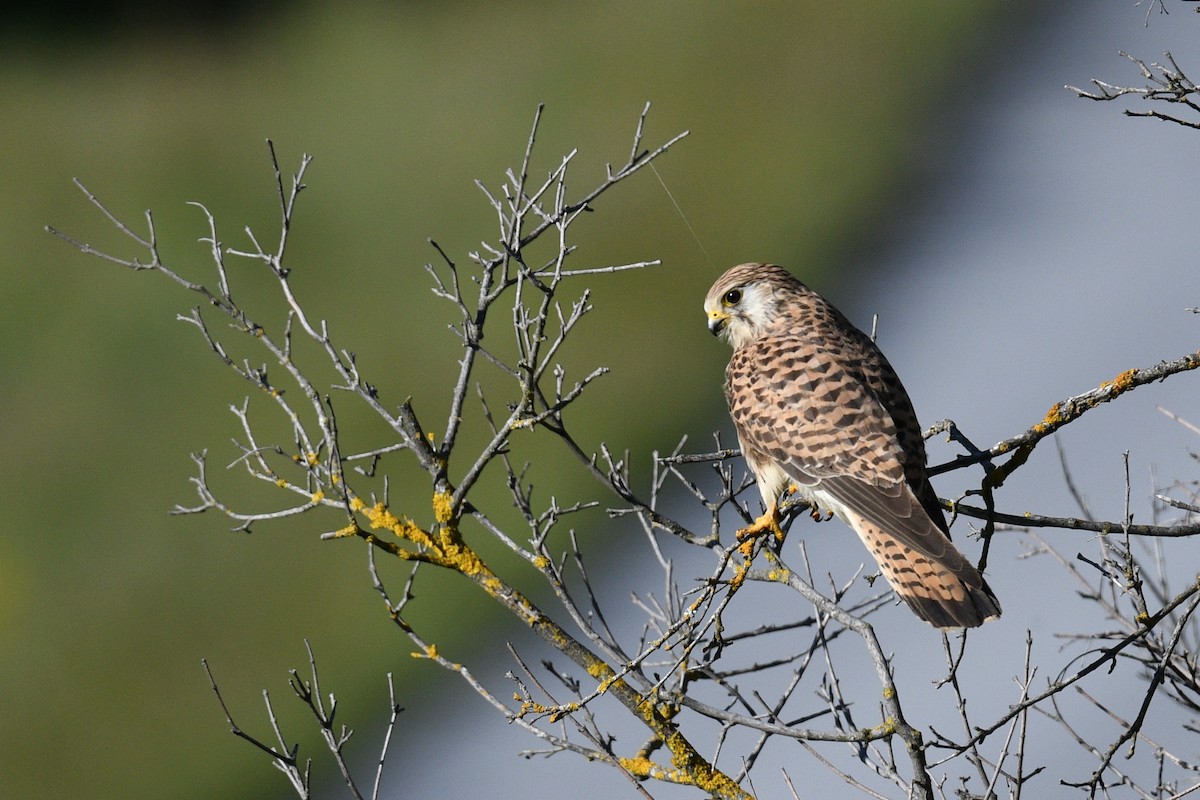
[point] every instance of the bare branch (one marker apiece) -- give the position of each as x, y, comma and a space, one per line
1165, 83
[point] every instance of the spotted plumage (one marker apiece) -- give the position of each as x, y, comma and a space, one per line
817, 406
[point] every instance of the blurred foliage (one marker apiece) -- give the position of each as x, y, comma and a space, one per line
803, 118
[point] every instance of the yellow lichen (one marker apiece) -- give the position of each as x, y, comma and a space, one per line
447, 550
558, 713
746, 548
281, 483
443, 507
739, 575
691, 768
380, 517
1053, 418
312, 459
350, 530
639, 767
541, 562
600, 670
1124, 381
318, 496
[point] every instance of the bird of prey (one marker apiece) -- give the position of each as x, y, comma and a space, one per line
818, 407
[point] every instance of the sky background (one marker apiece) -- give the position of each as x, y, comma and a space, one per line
921, 163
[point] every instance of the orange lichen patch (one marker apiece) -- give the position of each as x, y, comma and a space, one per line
558, 713
1122, 382
532, 707
739, 575
1054, 418
694, 608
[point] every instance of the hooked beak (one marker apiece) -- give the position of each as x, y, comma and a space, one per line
717, 320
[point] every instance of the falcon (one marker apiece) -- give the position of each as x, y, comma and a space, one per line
819, 411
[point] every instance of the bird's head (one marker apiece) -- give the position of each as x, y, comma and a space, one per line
745, 301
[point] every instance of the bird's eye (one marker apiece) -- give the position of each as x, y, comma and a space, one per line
732, 297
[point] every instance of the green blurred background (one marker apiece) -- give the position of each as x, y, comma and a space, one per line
804, 122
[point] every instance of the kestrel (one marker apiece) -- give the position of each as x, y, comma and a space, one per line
818, 407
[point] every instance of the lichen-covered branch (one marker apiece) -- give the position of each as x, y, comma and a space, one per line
743, 652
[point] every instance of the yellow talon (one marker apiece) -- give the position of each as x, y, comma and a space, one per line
767, 523
817, 514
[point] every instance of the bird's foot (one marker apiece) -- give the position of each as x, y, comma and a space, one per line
814, 511
767, 523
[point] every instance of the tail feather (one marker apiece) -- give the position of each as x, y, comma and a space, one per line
947, 592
